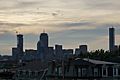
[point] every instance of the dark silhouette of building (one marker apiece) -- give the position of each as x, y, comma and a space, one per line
29, 54
44, 40
58, 52
17, 52
50, 55
83, 48
68, 53
20, 45
42, 46
111, 39
14, 53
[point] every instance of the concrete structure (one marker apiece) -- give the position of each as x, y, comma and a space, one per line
111, 39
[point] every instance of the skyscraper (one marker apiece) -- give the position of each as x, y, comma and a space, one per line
42, 46
20, 45
111, 39
44, 40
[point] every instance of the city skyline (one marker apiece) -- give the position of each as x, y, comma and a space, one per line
68, 23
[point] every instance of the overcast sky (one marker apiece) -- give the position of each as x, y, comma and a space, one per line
68, 22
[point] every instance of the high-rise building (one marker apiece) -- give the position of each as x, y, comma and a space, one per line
30, 54
68, 53
44, 40
77, 51
58, 52
14, 53
50, 55
83, 48
20, 43
42, 46
17, 52
111, 39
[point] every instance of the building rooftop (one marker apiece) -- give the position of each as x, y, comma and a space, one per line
34, 66
98, 61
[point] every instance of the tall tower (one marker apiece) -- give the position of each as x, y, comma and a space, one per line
20, 45
44, 40
111, 39
42, 46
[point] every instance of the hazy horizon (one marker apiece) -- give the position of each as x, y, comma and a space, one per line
70, 23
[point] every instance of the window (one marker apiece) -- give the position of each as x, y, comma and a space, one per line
119, 71
60, 70
56, 70
79, 71
114, 69
95, 71
84, 72
104, 71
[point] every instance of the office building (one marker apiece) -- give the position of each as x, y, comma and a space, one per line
44, 40
14, 53
77, 51
42, 47
83, 48
17, 52
67, 53
58, 52
111, 39
20, 45
30, 54
50, 55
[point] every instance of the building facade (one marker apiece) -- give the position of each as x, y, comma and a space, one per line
58, 52
111, 39
87, 69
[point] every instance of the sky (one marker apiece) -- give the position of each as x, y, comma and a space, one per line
67, 22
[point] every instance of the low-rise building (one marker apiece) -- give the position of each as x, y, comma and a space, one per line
83, 69
34, 70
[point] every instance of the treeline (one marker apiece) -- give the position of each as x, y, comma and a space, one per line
113, 56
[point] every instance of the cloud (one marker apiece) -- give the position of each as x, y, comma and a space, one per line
78, 20
105, 5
